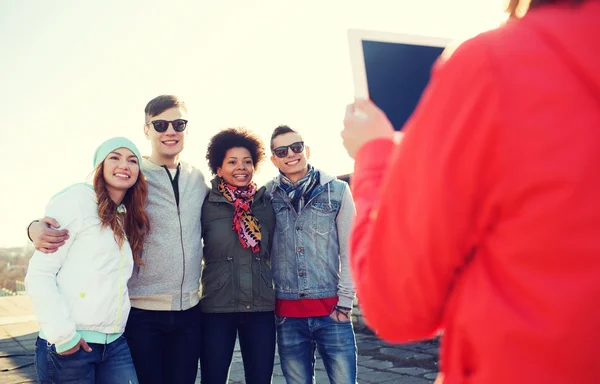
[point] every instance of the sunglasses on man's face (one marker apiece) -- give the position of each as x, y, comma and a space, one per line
282, 151
162, 125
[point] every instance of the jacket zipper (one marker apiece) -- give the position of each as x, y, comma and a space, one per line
180, 232
120, 307
120, 292
183, 261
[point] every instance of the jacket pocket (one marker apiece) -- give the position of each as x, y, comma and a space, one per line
267, 291
219, 282
217, 286
324, 214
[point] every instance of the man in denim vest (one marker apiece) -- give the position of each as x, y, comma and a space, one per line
309, 259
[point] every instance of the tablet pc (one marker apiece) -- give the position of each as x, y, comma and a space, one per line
392, 69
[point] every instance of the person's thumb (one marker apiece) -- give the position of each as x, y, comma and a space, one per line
366, 105
51, 222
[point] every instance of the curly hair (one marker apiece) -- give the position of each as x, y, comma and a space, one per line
136, 224
232, 138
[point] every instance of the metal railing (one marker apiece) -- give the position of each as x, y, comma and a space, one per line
20, 287
7, 292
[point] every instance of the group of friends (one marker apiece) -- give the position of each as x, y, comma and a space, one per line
479, 222
150, 269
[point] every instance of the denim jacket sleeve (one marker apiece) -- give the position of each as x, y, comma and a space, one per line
344, 223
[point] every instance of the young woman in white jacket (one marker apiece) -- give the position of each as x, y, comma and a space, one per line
79, 293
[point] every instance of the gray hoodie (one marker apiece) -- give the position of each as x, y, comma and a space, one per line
169, 279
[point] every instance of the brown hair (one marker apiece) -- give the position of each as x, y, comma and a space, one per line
280, 130
136, 224
517, 8
161, 103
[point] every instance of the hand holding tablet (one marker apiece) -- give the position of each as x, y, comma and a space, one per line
364, 122
392, 70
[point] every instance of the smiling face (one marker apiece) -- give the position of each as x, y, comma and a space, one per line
237, 168
121, 171
293, 165
166, 146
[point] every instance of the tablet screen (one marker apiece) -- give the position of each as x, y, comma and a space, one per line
396, 75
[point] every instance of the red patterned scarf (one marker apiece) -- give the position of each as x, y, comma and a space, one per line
244, 222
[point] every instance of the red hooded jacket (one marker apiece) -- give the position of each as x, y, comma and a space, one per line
484, 222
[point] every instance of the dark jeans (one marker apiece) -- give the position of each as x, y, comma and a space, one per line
105, 364
165, 345
256, 332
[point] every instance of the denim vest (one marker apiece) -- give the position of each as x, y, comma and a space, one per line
305, 258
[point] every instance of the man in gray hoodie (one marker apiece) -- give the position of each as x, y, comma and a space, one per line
163, 329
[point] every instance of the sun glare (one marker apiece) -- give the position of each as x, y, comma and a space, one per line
76, 75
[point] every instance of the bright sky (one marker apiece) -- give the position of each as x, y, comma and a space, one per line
74, 73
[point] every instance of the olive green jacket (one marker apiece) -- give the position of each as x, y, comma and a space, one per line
234, 279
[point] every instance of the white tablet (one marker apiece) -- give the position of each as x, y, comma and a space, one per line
392, 69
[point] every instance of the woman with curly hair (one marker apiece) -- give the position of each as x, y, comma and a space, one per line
237, 290
79, 293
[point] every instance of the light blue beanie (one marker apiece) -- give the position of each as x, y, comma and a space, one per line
110, 145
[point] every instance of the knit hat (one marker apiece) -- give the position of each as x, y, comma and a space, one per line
110, 145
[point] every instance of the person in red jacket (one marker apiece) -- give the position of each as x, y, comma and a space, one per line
483, 222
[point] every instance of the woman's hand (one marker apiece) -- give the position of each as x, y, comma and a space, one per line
364, 122
82, 344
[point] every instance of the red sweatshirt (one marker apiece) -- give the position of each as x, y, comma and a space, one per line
487, 222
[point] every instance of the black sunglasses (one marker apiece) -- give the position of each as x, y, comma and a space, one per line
282, 151
162, 125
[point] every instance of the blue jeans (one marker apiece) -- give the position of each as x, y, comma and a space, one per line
256, 332
105, 364
297, 340
165, 345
